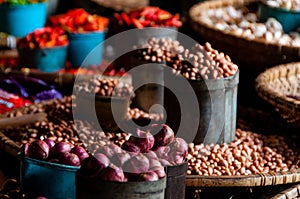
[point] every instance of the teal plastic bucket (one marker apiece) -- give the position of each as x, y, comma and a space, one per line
19, 20
290, 20
86, 49
44, 59
41, 178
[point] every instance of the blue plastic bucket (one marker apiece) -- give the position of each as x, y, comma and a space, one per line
44, 59
19, 20
85, 49
290, 20
41, 178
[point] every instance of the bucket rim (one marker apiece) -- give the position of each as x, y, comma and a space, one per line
217, 80
280, 10
48, 164
5, 5
91, 96
46, 48
97, 179
87, 33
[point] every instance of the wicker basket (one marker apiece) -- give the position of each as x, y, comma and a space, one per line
293, 192
255, 54
122, 5
276, 84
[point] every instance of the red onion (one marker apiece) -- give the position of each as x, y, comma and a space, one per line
25, 149
178, 151
130, 147
112, 173
151, 154
149, 176
69, 159
175, 158
163, 134
115, 148
160, 172
39, 150
60, 147
50, 142
93, 165
154, 164
102, 159
165, 162
162, 152
118, 159
137, 164
106, 150
80, 152
145, 140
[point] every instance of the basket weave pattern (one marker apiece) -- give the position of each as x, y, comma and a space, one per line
275, 85
123, 5
257, 54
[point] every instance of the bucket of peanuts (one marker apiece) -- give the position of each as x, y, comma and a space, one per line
103, 100
213, 78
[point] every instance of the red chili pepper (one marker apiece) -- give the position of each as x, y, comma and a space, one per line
137, 23
150, 16
44, 37
126, 19
78, 20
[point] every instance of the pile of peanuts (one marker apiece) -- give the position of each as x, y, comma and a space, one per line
60, 126
105, 87
293, 5
244, 23
249, 153
196, 63
93, 139
138, 114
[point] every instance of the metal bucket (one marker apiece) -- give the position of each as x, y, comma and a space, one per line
148, 84
107, 111
217, 101
41, 178
176, 176
95, 188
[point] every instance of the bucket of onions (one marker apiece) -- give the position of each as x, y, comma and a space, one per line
48, 168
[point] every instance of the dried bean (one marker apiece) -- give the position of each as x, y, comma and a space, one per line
249, 153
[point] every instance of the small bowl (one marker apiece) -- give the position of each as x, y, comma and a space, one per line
289, 19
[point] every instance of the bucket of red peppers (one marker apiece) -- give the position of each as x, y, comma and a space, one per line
44, 49
86, 33
150, 21
140, 168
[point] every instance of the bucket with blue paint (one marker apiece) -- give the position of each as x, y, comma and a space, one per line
19, 20
45, 59
86, 49
52, 180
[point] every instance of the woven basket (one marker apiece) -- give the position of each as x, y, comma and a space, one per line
293, 192
255, 54
122, 5
276, 84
